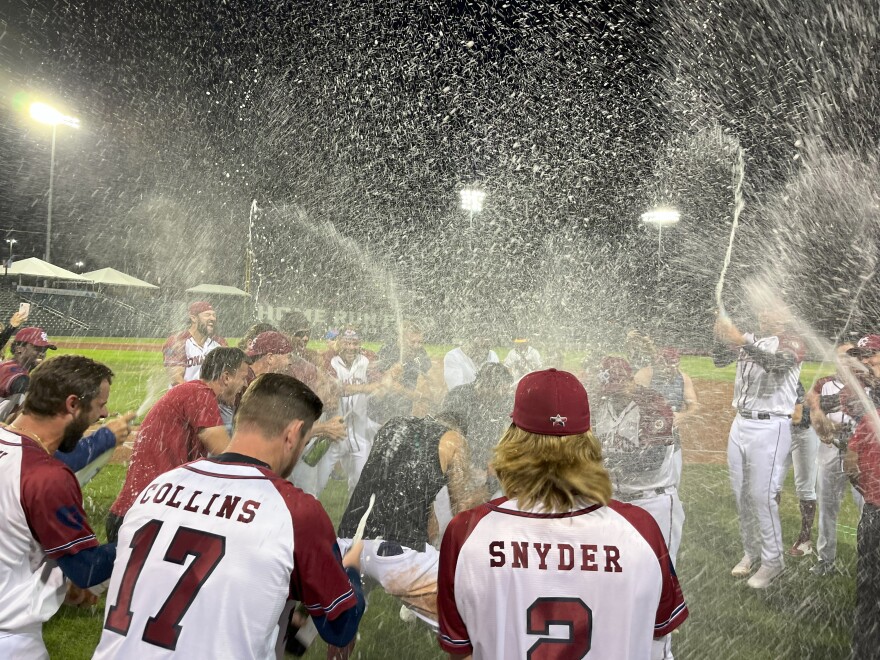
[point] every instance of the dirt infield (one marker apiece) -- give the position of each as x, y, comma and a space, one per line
704, 436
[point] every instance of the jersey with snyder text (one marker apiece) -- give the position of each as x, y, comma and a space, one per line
759, 390
181, 350
43, 519
209, 561
593, 582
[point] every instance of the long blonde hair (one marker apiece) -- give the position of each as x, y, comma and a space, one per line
556, 473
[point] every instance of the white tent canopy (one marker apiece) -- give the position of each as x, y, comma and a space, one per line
218, 290
33, 267
113, 277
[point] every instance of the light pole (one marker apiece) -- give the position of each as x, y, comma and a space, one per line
46, 114
8, 263
472, 201
79, 266
661, 217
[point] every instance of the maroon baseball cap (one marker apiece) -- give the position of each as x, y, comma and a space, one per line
614, 372
869, 344
35, 337
269, 343
551, 402
197, 308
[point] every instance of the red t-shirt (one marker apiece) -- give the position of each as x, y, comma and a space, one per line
865, 443
169, 437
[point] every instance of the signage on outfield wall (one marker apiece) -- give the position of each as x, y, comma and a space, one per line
370, 323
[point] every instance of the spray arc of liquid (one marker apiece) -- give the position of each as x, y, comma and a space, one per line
738, 204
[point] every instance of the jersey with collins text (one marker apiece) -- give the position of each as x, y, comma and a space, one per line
43, 519
516, 584
759, 390
210, 557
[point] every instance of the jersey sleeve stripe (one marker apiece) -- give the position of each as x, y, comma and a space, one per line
679, 614
67, 546
455, 642
332, 606
224, 476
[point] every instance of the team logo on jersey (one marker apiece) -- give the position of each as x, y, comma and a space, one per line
659, 423
559, 420
69, 516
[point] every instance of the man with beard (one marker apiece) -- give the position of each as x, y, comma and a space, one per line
258, 544
184, 425
44, 533
185, 351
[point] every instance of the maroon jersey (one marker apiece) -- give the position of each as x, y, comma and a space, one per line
10, 371
169, 437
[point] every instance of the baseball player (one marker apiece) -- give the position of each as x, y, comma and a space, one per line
556, 568
44, 532
634, 424
834, 426
804, 449
412, 459
213, 554
184, 425
185, 351
461, 364
765, 390
522, 358
665, 376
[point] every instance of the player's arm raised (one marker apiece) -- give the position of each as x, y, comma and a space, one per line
455, 465
215, 439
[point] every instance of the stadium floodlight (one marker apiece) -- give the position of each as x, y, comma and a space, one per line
661, 217
472, 199
46, 114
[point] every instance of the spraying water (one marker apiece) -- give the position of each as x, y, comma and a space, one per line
738, 204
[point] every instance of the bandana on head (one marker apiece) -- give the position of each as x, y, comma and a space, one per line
197, 308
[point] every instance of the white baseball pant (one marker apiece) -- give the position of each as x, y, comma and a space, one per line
352, 452
804, 448
831, 486
668, 513
757, 450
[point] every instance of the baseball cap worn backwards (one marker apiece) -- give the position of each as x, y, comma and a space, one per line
197, 308
35, 337
551, 402
269, 343
869, 344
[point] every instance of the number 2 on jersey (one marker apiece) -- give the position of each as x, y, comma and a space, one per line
164, 628
571, 612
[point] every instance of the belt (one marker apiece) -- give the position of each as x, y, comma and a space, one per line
751, 414
650, 492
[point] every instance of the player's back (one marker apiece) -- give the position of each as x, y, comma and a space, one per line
565, 584
204, 564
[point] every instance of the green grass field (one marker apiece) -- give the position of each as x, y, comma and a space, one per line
799, 617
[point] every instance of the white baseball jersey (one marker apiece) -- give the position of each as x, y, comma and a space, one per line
516, 584
354, 408
521, 364
759, 390
637, 443
829, 387
210, 557
460, 369
181, 350
41, 519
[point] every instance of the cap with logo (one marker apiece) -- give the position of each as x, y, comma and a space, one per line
35, 337
614, 372
269, 343
551, 402
869, 343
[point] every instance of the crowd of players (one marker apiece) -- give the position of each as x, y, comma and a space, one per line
494, 502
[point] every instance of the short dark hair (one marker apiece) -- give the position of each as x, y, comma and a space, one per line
253, 331
273, 401
221, 360
293, 321
454, 419
494, 374
52, 381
